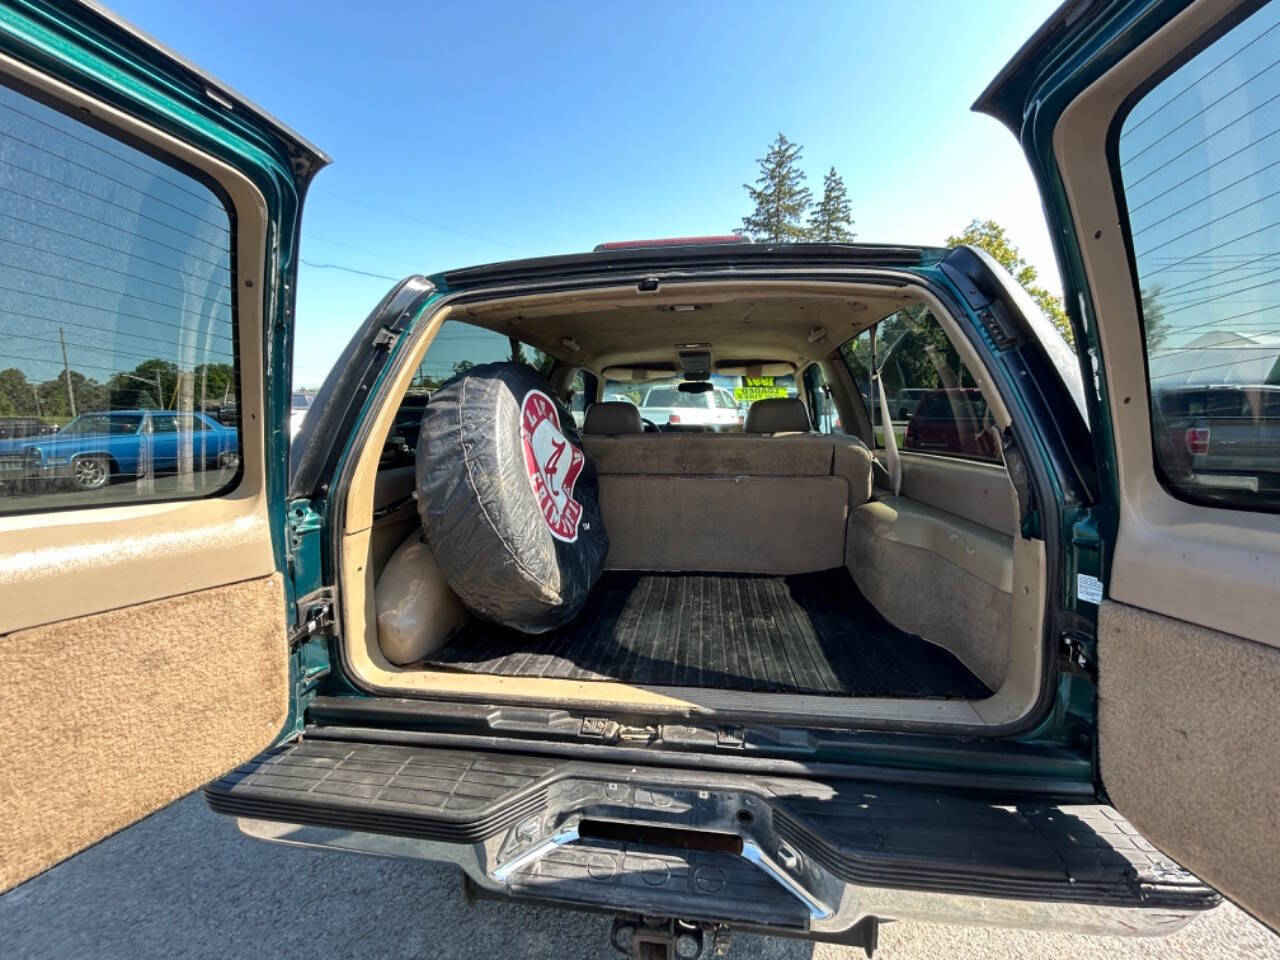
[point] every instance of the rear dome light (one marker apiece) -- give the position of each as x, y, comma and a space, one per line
1197, 440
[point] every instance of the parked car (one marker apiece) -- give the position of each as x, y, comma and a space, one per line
1221, 436
905, 401
298, 407
1039, 690
18, 428
668, 405
952, 421
96, 448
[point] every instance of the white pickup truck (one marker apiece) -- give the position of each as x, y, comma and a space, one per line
669, 406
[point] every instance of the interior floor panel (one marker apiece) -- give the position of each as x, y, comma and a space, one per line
809, 633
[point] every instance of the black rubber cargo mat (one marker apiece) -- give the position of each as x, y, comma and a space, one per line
811, 633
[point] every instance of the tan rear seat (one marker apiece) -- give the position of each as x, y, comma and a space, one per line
728, 503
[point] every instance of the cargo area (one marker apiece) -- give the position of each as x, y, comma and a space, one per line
808, 633
762, 565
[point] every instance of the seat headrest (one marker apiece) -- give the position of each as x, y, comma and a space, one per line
613, 416
777, 415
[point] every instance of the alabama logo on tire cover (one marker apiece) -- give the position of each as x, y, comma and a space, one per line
553, 464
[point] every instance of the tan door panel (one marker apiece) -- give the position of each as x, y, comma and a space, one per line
120, 713
145, 640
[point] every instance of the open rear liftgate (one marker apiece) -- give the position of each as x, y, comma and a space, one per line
686, 855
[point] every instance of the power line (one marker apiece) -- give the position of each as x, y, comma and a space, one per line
1225, 243
1174, 129
185, 251
419, 220
101, 331
130, 255
338, 266
101, 148
111, 203
123, 273
226, 228
1129, 185
1201, 199
1201, 172
111, 312
94, 286
1196, 82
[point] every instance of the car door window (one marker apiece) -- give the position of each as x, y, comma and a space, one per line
1199, 159
582, 393
822, 410
115, 299
934, 402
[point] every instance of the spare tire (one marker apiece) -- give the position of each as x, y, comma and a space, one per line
509, 500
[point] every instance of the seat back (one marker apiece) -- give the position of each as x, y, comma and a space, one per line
777, 415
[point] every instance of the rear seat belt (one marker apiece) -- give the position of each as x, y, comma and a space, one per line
891, 461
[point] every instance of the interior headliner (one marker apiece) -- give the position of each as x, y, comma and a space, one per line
775, 324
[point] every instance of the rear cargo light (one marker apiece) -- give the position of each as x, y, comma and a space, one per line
1197, 440
671, 242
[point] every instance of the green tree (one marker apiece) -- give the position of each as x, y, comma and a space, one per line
832, 218
1154, 325
151, 385
55, 400
993, 238
17, 394
462, 366
780, 197
215, 382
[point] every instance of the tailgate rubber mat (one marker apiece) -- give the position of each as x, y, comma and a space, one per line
810, 633
911, 838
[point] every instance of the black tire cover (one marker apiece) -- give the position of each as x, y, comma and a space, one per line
509, 500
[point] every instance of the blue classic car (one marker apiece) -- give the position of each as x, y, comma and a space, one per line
95, 448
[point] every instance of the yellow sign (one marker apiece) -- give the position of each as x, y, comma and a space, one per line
757, 388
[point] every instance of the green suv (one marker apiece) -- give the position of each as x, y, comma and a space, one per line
826, 678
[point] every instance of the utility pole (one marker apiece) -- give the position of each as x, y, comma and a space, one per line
66, 369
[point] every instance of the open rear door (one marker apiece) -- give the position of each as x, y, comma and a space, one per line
1154, 130
148, 226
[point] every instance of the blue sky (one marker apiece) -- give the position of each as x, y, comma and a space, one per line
464, 133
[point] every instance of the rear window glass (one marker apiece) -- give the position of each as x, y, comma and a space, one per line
117, 332
672, 397
1199, 159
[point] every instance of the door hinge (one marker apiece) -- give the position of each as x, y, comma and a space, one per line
385, 337
1077, 653
316, 614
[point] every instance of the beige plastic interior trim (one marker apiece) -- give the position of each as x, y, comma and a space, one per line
981, 492
367, 663
58, 565
1204, 565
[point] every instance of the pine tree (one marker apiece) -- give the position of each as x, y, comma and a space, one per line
781, 199
832, 218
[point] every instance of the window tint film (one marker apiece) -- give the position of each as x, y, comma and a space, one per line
934, 402
1199, 161
117, 353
